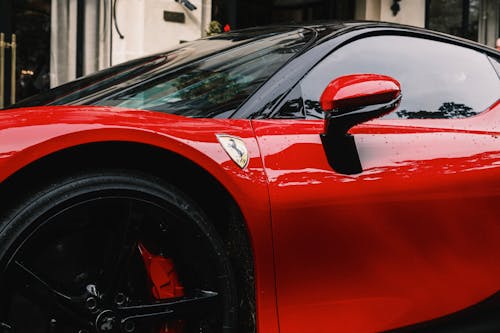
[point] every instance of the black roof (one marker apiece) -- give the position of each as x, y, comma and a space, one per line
333, 28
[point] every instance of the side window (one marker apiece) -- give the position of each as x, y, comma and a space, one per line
438, 80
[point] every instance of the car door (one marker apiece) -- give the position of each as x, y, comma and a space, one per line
416, 235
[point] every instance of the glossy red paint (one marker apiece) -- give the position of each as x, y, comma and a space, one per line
413, 237
359, 90
28, 135
385, 248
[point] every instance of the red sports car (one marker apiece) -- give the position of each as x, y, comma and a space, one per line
329, 178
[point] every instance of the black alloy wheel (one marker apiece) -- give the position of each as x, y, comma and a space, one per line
74, 259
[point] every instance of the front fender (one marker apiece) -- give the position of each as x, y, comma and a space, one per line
29, 135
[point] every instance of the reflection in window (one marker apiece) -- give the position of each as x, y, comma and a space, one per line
292, 107
313, 109
447, 110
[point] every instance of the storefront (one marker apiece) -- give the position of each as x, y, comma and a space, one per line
58, 41
47, 43
25, 49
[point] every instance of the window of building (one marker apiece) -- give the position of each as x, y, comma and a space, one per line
454, 17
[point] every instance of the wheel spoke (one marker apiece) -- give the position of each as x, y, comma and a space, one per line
28, 277
200, 304
39, 291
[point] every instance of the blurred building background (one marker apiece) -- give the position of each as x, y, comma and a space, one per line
59, 40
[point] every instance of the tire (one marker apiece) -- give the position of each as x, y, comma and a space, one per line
82, 255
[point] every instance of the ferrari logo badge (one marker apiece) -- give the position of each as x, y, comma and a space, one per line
235, 148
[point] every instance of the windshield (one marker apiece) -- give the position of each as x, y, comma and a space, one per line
205, 78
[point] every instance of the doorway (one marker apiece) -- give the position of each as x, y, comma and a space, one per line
26, 62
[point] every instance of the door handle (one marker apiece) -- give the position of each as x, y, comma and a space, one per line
13, 46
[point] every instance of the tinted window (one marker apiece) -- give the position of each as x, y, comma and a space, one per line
212, 87
87, 85
438, 80
205, 78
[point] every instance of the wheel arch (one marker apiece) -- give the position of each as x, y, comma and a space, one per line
192, 179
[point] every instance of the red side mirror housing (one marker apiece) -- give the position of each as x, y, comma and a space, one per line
348, 101
358, 90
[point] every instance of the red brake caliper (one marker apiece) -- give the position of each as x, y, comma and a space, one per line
165, 283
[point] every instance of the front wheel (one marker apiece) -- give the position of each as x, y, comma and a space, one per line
113, 252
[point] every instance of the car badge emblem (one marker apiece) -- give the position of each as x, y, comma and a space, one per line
235, 148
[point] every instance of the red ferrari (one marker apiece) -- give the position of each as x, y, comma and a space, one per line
328, 178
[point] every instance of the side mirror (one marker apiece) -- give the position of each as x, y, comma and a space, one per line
348, 101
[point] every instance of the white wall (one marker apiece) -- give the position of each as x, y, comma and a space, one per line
412, 11
145, 31
62, 42
97, 36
